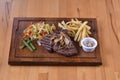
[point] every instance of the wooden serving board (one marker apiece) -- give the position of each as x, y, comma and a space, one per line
41, 56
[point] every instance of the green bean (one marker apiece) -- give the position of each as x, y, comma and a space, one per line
23, 46
26, 44
32, 46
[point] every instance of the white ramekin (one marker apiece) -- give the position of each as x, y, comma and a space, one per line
88, 49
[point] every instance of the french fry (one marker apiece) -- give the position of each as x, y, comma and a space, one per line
84, 33
78, 21
87, 35
88, 27
71, 33
75, 21
81, 27
80, 36
88, 31
72, 28
63, 23
76, 29
61, 26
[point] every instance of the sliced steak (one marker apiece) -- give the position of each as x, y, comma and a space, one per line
55, 43
46, 43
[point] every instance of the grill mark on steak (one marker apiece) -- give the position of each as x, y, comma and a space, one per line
50, 46
66, 51
46, 43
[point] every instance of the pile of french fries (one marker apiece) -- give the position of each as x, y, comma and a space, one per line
76, 29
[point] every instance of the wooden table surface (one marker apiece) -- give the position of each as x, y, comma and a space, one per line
107, 13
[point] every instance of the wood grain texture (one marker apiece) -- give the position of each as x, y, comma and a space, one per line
107, 13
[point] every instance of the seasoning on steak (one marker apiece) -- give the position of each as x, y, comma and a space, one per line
59, 43
65, 46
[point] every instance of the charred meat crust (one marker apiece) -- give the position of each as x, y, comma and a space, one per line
51, 46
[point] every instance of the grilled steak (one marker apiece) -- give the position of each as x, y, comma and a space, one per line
59, 43
46, 43
66, 50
